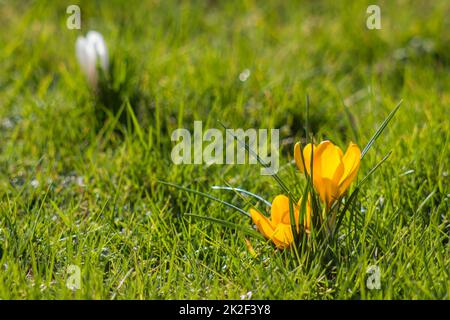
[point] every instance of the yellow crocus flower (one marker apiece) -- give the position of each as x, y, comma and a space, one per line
278, 227
333, 171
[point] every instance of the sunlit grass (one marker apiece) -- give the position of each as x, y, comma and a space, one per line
75, 193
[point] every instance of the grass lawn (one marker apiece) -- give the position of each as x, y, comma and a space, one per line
79, 181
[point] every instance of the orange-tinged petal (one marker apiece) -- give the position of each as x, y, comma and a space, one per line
282, 236
280, 210
306, 156
262, 223
351, 160
279, 243
328, 191
308, 217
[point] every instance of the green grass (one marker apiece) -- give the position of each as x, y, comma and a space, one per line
76, 193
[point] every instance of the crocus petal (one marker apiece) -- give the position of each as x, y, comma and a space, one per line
351, 160
262, 223
80, 52
298, 158
98, 43
333, 171
84, 55
280, 210
282, 235
329, 161
306, 156
87, 59
307, 217
278, 228
328, 190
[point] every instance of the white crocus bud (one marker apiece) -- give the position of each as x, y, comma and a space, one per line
91, 50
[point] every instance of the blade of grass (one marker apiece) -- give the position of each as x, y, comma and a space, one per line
350, 118
242, 191
363, 180
354, 194
292, 220
307, 119
261, 161
426, 200
277, 178
310, 185
380, 129
303, 210
227, 224
136, 125
206, 195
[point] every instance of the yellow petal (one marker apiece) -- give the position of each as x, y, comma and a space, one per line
306, 157
328, 190
262, 223
317, 166
280, 210
307, 217
308, 151
298, 157
329, 161
282, 236
351, 160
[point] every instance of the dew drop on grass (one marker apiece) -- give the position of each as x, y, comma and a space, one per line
380, 205
80, 182
244, 75
7, 124
34, 183
247, 296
